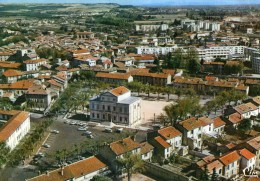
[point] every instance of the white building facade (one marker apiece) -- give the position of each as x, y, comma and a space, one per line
117, 106
15, 129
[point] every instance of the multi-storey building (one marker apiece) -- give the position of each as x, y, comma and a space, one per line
219, 52
155, 50
117, 106
16, 126
34, 64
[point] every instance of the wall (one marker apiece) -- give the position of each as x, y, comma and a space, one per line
165, 174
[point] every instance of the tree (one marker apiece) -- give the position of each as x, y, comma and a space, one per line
132, 163
193, 66
244, 125
4, 150
100, 178
214, 176
254, 90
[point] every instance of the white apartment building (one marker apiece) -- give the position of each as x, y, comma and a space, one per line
193, 25
219, 51
117, 106
155, 50
34, 64
151, 27
16, 126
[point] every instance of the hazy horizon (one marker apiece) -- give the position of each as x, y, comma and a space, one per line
141, 3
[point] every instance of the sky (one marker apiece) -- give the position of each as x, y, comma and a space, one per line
146, 2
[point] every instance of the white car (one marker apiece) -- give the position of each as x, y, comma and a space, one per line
46, 145
90, 136
83, 128
88, 132
55, 131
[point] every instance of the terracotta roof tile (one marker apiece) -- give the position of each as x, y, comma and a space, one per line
161, 141
75, 170
218, 122
13, 65
235, 118
169, 132
122, 146
229, 158
145, 147
12, 73
191, 123
34, 61
247, 154
113, 75
119, 91
12, 124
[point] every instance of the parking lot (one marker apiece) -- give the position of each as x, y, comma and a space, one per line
69, 137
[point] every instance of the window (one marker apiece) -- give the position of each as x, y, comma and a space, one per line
114, 108
93, 115
98, 116
120, 119
103, 116
103, 107
219, 172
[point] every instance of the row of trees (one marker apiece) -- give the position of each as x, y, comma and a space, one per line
189, 106
148, 89
25, 148
178, 59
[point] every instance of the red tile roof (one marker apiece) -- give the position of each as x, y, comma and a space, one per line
74, 170
119, 91
161, 141
247, 154
12, 73
145, 147
235, 118
12, 124
113, 75
229, 158
123, 146
191, 123
14, 65
218, 122
169, 132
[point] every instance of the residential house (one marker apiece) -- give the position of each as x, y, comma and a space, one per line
170, 135
17, 88
119, 149
34, 64
85, 35
117, 106
248, 161
127, 61
231, 162
192, 130
15, 127
8, 65
5, 55
86, 59
146, 151
11, 75
207, 125
116, 78
81, 170
38, 97
252, 145
219, 125
247, 110
211, 164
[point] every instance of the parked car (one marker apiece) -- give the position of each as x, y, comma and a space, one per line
40, 154
90, 136
119, 130
46, 145
88, 132
83, 128
108, 130
55, 131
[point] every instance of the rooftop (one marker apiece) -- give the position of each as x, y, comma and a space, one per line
125, 145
